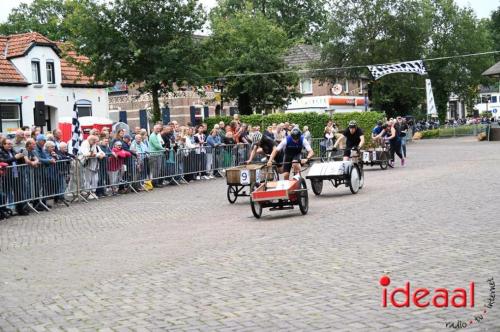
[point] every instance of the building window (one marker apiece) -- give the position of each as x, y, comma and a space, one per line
306, 86
493, 99
10, 117
360, 87
84, 107
51, 74
35, 72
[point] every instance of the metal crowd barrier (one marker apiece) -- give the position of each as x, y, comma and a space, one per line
66, 181
25, 186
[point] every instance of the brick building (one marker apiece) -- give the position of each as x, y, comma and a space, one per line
334, 95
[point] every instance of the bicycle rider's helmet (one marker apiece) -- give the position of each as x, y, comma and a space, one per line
353, 124
295, 133
257, 136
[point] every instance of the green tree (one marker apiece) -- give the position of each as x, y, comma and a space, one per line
495, 29
43, 16
248, 43
145, 41
457, 31
362, 32
300, 19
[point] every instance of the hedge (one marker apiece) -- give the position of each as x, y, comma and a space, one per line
316, 122
468, 130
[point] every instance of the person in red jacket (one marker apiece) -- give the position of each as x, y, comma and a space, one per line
116, 164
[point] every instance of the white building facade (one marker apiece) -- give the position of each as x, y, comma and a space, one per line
38, 86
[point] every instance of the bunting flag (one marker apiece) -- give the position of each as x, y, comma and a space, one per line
431, 106
76, 133
416, 67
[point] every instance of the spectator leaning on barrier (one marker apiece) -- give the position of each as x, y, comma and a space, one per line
201, 152
222, 130
144, 137
12, 185
118, 136
115, 164
27, 134
19, 143
129, 169
103, 181
141, 151
213, 160
54, 178
89, 155
156, 154
65, 169
40, 173
57, 133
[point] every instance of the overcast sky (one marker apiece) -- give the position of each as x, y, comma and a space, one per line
483, 8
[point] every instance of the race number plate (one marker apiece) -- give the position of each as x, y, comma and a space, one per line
245, 176
366, 156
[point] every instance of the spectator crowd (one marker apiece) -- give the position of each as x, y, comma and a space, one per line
37, 167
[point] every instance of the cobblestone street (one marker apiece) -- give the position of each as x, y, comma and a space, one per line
184, 259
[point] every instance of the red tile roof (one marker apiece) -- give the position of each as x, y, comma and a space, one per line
18, 45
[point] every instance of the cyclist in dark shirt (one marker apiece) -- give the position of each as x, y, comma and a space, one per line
354, 139
292, 147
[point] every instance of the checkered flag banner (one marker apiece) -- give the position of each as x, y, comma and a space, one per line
76, 133
416, 67
431, 106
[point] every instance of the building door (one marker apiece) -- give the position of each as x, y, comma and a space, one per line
51, 118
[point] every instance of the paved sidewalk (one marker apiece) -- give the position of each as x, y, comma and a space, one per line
184, 259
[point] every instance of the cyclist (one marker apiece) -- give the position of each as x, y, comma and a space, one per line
354, 139
261, 144
292, 147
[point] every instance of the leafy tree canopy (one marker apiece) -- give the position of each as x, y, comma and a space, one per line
364, 32
146, 41
245, 43
300, 19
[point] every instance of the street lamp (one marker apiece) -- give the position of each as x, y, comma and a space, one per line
220, 84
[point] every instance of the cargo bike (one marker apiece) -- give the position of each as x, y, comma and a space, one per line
241, 180
280, 195
380, 156
338, 172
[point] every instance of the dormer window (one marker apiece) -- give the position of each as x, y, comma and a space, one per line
35, 72
51, 74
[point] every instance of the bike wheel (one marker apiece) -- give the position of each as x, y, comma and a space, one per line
354, 180
303, 198
317, 186
361, 177
384, 161
256, 208
232, 194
